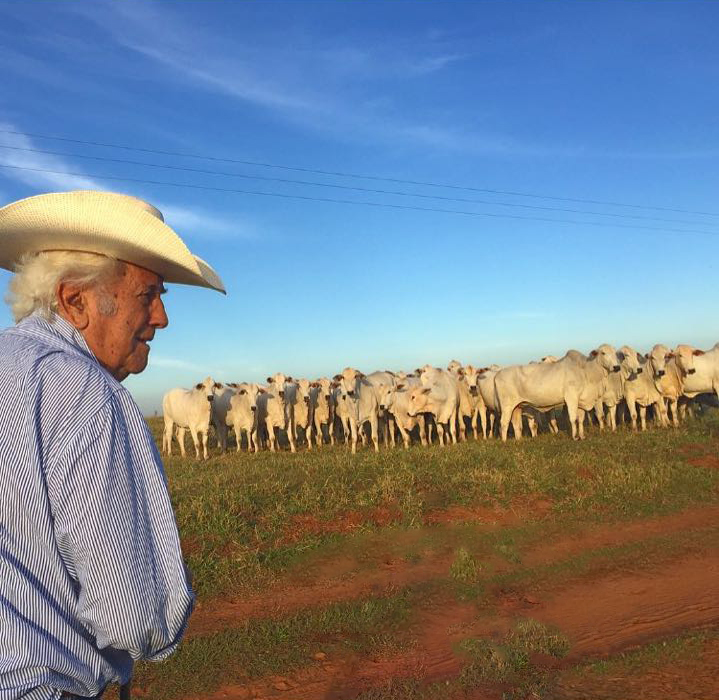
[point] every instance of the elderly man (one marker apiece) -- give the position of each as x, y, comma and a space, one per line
91, 572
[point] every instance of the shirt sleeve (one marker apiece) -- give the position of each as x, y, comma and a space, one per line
116, 533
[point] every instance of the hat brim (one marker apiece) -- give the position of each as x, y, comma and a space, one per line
106, 223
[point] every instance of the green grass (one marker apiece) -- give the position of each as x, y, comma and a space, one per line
237, 513
262, 647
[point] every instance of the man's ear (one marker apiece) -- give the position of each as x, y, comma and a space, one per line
72, 304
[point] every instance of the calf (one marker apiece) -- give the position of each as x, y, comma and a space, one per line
189, 409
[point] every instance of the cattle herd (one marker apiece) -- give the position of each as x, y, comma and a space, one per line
446, 402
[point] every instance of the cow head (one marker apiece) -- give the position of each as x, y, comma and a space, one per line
277, 382
658, 357
685, 355
630, 361
209, 387
606, 356
304, 387
419, 401
385, 396
347, 382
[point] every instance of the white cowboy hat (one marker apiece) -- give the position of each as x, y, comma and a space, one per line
117, 225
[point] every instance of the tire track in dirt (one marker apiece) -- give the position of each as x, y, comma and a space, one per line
283, 599
599, 617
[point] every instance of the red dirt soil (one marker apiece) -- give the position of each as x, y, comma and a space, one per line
335, 581
600, 616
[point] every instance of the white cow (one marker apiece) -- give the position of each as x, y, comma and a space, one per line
699, 370
394, 398
360, 402
274, 412
639, 387
220, 405
375, 380
321, 400
574, 381
438, 395
242, 414
189, 409
299, 397
667, 380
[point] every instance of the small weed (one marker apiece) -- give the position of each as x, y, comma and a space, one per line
510, 661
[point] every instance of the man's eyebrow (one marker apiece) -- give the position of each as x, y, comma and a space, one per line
151, 288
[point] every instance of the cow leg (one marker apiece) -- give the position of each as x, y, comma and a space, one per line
482, 411
453, 426
392, 427
271, 436
181, 440
675, 412
516, 419
599, 413
504, 421
353, 432
291, 437
167, 437
581, 415
612, 415
195, 441
440, 432
405, 435
205, 435
572, 410
422, 430
375, 432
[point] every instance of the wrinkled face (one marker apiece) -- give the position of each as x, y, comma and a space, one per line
658, 357
210, 388
418, 401
685, 355
606, 356
123, 317
629, 360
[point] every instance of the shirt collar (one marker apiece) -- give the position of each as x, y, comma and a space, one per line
60, 327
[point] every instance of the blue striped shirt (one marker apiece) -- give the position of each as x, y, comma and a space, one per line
91, 571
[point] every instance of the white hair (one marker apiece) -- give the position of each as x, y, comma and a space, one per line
33, 288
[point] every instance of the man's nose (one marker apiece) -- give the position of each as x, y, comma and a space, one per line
158, 317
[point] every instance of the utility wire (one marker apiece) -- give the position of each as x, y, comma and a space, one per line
362, 203
347, 187
355, 175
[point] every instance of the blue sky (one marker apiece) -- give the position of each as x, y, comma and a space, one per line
605, 101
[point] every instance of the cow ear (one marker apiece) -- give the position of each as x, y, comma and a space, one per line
646, 355
620, 355
361, 375
593, 353
198, 386
669, 356
269, 380
400, 387
698, 352
426, 390
334, 383
337, 377
243, 391
314, 385
460, 374
218, 385
289, 379
261, 390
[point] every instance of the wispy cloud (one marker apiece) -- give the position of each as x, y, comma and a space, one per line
48, 172
39, 166
338, 90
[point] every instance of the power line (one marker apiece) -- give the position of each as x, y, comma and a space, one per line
346, 187
356, 175
361, 203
